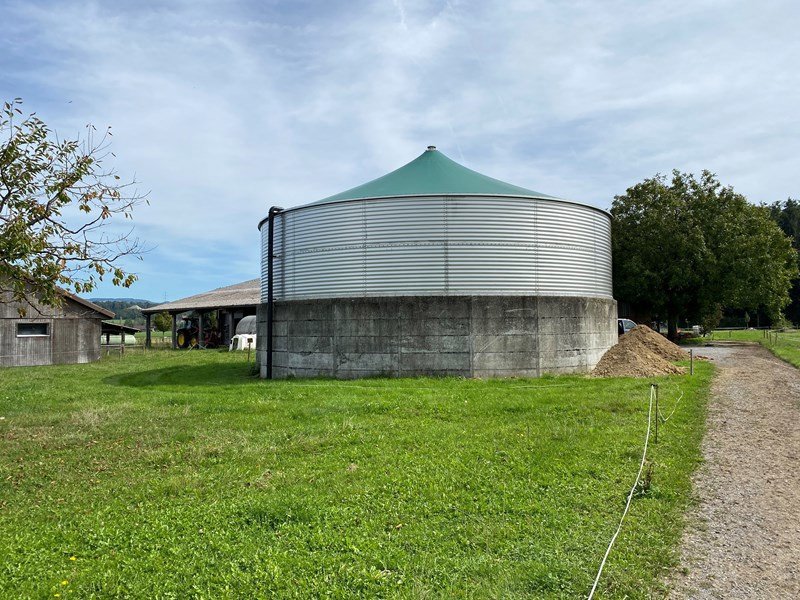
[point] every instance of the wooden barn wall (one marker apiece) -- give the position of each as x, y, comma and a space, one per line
74, 335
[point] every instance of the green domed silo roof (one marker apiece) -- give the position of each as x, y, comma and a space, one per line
432, 174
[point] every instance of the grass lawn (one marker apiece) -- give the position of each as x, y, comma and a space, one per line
157, 338
785, 345
178, 474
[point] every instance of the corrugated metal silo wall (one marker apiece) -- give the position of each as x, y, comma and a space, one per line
440, 246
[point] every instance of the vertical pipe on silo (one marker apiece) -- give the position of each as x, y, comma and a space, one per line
273, 211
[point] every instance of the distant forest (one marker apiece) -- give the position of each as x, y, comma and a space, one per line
126, 310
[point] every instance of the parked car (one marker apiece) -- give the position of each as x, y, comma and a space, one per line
624, 326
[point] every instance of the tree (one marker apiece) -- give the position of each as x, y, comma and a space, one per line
686, 246
711, 320
57, 207
787, 216
162, 321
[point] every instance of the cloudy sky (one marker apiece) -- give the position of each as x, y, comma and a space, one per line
221, 109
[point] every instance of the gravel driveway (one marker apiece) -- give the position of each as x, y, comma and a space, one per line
743, 537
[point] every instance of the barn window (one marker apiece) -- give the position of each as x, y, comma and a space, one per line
32, 329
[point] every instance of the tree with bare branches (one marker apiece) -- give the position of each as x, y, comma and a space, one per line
58, 203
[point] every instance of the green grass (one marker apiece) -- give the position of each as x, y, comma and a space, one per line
156, 337
785, 344
179, 474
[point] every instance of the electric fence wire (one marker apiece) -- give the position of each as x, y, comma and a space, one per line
674, 408
630, 495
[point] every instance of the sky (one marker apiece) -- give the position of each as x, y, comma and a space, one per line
222, 109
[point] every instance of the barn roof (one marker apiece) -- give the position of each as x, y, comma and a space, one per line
91, 305
246, 293
117, 328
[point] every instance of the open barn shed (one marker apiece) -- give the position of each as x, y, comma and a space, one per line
214, 314
118, 333
435, 269
48, 335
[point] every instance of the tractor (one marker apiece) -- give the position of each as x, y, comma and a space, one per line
189, 329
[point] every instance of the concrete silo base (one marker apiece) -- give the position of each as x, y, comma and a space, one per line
467, 336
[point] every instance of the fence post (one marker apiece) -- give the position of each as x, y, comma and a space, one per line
691, 361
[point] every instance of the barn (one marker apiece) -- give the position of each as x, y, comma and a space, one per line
435, 269
48, 335
225, 306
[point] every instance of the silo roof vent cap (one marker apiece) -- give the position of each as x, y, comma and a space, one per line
431, 148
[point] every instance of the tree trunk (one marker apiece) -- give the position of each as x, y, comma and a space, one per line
672, 327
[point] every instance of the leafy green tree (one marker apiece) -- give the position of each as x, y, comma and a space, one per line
787, 216
57, 207
162, 321
711, 320
685, 245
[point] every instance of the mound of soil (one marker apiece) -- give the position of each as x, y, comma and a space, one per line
642, 335
641, 353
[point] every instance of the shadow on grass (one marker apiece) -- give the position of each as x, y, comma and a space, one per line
187, 376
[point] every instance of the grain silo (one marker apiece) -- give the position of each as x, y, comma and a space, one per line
435, 269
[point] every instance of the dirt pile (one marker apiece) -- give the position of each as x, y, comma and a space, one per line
641, 353
642, 335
